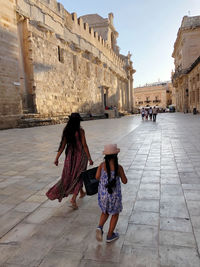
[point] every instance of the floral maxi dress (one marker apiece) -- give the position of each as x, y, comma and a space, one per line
109, 203
75, 163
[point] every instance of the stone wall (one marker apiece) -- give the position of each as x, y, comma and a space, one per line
64, 66
10, 99
74, 83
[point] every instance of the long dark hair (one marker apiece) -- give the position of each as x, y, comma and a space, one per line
69, 131
111, 183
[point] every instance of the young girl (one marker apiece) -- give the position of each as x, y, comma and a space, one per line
77, 157
109, 192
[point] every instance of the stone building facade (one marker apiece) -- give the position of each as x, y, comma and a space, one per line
161, 94
55, 63
194, 86
186, 59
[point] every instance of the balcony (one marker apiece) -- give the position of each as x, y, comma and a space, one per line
178, 73
156, 101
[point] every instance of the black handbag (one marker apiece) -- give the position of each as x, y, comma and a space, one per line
90, 182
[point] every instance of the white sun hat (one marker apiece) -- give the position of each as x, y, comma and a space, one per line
111, 149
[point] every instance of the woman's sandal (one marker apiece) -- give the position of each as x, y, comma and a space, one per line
73, 205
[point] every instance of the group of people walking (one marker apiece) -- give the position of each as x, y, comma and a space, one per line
149, 113
109, 173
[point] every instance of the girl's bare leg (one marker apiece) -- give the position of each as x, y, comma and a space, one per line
113, 222
103, 219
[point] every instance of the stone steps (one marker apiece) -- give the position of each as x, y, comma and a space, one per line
33, 120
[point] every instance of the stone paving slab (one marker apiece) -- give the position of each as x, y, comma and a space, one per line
160, 221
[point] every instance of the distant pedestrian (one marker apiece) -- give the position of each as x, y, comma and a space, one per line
142, 113
146, 113
155, 112
115, 109
77, 157
150, 113
110, 173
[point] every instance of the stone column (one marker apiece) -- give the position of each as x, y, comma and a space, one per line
102, 96
131, 94
128, 95
122, 95
23, 80
196, 97
26, 68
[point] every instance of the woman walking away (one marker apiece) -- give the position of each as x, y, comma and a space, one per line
155, 112
142, 113
146, 113
109, 192
77, 156
150, 113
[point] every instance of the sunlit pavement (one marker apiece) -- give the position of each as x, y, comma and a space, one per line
160, 221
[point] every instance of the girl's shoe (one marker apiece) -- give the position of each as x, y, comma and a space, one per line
112, 238
99, 234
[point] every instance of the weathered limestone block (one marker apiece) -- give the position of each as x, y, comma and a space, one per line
24, 7
37, 14
53, 24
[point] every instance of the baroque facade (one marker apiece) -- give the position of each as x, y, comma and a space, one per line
54, 63
186, 56
160, 94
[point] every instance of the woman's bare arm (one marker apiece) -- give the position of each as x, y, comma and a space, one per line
64, 142
122, 175
98, 173
85, 146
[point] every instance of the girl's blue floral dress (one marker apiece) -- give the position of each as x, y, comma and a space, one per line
109, 203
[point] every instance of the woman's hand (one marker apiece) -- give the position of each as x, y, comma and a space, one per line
56, 162
90, 162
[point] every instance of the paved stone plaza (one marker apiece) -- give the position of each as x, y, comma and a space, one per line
160, 222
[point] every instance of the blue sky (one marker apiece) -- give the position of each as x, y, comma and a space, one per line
147, 28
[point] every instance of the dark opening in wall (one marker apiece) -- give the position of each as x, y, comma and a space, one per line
61, 54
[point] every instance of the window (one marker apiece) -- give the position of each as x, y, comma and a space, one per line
156, 100
198, 77
96, 71
61, 54
147, 100
74, 62
104, 99
88, 69
197, 95
193, 96
112, 40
